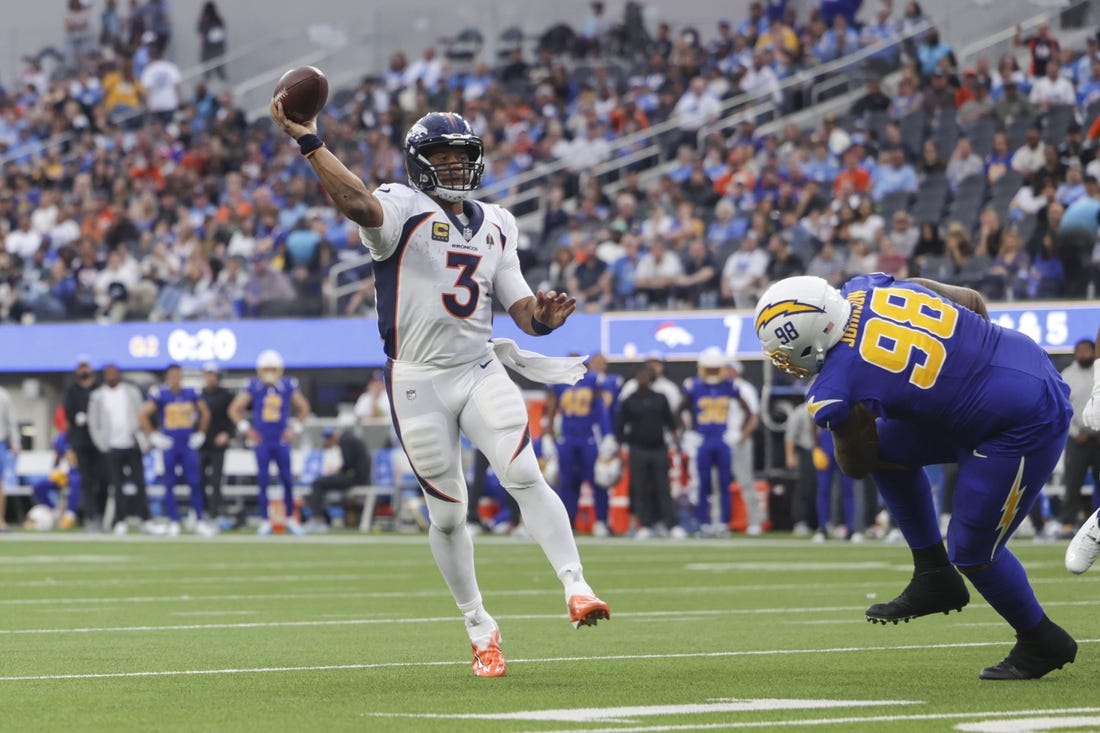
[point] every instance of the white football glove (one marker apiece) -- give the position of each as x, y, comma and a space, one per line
1090, 415
690, 442
160, 441
196, 440
609, 447
243, 427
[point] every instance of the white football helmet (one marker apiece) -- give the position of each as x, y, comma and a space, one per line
799, 319
608, 471
712, 360
269, 366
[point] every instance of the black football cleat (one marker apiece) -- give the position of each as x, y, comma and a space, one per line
1030, 659
940, 590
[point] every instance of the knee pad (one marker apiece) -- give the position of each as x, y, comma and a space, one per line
446, 516
426, 445
523, 472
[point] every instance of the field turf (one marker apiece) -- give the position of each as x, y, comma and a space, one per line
345, 632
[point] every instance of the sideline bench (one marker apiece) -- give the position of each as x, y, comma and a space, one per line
239, 473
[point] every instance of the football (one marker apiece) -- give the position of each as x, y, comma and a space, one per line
303, 91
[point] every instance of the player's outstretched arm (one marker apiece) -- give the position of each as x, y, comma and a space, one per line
346, 189
965, 297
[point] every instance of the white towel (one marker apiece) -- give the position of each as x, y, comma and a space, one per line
539, 368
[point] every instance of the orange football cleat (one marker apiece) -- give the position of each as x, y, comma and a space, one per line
489, 661
586, 610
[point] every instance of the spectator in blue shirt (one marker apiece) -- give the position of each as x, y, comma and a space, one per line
931, 51
893, 177
840, 40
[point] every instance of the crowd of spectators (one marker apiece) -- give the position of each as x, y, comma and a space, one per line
130, 192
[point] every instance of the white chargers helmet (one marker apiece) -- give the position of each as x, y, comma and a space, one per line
712, 360
269, 366
40, 518
797, 320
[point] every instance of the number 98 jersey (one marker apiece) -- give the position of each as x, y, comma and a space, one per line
911, 355
436, 273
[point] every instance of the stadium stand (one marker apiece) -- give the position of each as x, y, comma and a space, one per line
108, 211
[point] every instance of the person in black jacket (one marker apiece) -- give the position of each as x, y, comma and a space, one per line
354, 471
640, 425
218, 435
89, 461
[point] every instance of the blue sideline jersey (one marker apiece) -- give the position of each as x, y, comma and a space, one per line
271, 405
610, 385
177, 412
711, 405
582, 408
911, 355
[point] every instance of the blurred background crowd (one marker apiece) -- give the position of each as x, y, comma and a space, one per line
128, 195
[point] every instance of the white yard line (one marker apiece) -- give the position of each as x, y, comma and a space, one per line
545, 660
852, 720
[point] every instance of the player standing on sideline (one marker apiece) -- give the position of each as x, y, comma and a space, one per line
1085, 545
585, 426
707, 400
945, 385
183, 420
271, 396
218, 435
437, 258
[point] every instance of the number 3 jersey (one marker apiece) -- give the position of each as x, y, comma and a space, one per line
908, 354
435, 275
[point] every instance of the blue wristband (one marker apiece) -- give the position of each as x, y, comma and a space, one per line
309, 143
540, 328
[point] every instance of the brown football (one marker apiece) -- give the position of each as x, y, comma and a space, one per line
304, 92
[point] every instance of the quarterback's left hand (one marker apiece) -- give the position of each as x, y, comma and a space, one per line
1090, 415
553, 308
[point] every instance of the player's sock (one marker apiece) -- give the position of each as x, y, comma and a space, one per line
454, 554
546, 520
1004, 585
930, 558
572, 579
908, 495
479, 624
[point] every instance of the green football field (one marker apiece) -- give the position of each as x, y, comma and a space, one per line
350, 632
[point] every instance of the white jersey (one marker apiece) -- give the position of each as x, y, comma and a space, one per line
435, 275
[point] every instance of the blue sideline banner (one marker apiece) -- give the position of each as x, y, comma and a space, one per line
354, 342
679, 335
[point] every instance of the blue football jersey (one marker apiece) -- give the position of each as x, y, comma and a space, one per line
610, 385
271, 405
178, 412
582, 409
908, 354
711, 405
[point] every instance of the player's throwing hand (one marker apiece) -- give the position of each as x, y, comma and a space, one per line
287, 125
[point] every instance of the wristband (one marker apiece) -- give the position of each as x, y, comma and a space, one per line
243, 427
540, 328
308, 144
